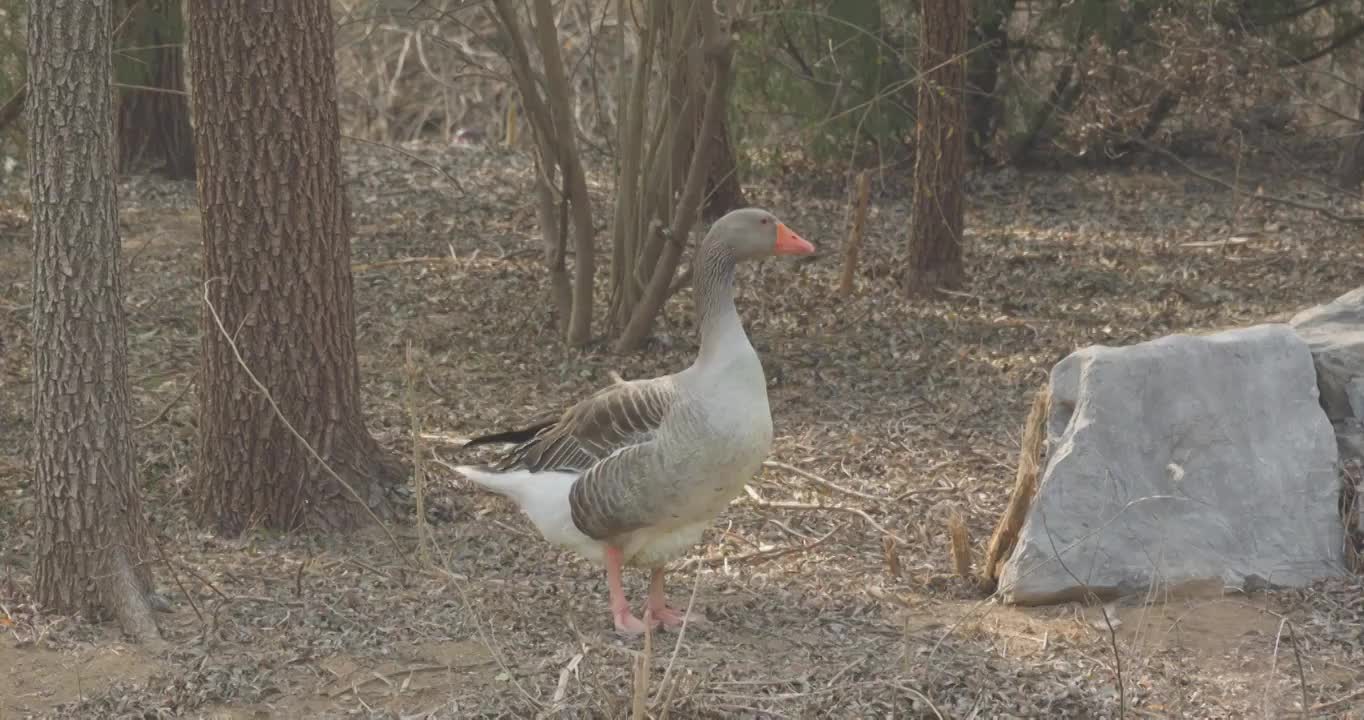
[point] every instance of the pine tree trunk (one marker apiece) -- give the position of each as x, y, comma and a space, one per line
153, 119
94, 549
277, 267
935, 253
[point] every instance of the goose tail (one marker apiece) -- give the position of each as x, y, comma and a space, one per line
543, 496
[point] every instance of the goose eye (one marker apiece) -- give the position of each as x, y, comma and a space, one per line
763, 221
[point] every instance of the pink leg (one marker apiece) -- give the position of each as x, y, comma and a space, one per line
626, 622
658, 604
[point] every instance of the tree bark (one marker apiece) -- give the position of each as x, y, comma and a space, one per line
153, 109
276, 231
935, 253
94, 545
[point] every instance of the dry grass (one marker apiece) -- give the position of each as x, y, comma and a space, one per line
828, 591
1002, 542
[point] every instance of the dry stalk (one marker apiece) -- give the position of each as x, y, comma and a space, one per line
961, 544
639, 701
854, 245
663, 685
892, 557
1025, 487
418, 457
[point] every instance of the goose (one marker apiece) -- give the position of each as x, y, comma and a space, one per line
634, 473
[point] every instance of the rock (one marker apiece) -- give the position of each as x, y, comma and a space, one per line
1335, 333
1178, 463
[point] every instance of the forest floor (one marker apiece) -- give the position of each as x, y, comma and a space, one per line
914, 407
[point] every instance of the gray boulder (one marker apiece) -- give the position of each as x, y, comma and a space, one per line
1181, 461
1335, 333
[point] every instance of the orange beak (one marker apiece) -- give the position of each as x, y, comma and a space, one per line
789, 243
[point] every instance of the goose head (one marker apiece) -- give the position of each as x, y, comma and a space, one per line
753, 234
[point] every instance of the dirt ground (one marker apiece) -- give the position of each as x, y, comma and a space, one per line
841, 604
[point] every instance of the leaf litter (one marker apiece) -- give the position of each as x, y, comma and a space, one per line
891, 416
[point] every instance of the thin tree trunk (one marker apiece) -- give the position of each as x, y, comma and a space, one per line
94, 545
1350, 166
551, 117
935, 253
723, 191
575, 180
1065, 92
277, 268
716, 47
990, 29
153, 124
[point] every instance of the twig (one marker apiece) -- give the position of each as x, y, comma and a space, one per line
643, 662
360, 267
762, 556
936, 712
677, 646
13, 109
821, 481
1273, 668
1302, 677
1338, 701
456, 581
1322, 210
1112, 633
269, 398
788, 505
156, 540
167, 407
410, 156
418, 467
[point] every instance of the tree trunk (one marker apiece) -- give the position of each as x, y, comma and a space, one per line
94, 545
990, 30
153, 117
690, 81
723, 190
278, 280
935, 257
1349, 170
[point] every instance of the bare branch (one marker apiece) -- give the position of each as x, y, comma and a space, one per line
718, 47
575, 181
